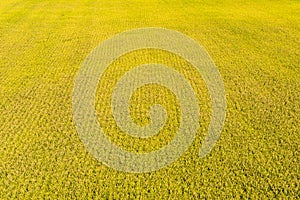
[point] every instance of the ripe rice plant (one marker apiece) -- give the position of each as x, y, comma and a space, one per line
254, 44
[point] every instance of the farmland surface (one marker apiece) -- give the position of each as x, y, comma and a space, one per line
256, 46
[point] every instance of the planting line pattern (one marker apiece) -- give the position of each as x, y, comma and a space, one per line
84, 114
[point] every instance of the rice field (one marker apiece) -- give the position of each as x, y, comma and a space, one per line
254, 44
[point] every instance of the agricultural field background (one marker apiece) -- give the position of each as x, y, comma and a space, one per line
256, 46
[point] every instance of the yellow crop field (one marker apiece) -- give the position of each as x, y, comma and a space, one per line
45, 46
